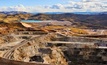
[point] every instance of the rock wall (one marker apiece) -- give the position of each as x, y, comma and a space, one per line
31, 49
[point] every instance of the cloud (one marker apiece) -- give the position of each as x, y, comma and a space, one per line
71, 6
90, 0
14, 8
82, 6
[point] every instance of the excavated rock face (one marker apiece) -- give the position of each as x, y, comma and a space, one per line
10, 38
36, 51
1, 40
86, 56
58, 57
40, 50
5, 39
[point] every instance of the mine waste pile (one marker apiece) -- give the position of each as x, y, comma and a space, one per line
31, 48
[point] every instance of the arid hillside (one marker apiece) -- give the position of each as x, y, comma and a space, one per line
92, 21
88, 20
12, 18
6, 28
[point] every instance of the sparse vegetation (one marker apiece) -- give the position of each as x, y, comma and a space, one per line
78, 31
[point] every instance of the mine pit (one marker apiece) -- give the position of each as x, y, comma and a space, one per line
53, 49
36, 59
76, 57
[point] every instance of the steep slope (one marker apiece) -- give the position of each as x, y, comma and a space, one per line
6, 28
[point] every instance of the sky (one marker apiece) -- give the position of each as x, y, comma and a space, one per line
54, 5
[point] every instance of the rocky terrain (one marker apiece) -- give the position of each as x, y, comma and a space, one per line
40, 49
36, 44
94, 21
12, 18
86, 20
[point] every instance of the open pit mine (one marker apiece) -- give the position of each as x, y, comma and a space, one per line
51, 43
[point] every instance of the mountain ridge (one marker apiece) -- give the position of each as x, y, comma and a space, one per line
98, 20
22, 12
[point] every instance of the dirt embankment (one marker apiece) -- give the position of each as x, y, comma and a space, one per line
11, 62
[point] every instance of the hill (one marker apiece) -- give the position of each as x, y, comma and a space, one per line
84, 19
96, 21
